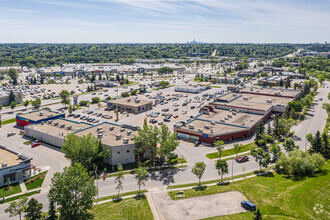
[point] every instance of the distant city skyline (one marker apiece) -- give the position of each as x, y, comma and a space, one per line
164, 21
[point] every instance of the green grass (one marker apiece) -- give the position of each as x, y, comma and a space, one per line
21, 196
133, 208
231, 151
27, 142
35, 184
121, 195
278, 196
8, 121
215, 86
14, 188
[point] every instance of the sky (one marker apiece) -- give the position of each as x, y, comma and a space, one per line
164, 21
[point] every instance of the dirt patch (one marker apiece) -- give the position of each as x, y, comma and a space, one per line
198, 207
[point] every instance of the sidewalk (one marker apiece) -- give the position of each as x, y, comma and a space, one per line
22, 185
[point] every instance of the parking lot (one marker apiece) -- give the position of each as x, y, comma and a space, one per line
194, 208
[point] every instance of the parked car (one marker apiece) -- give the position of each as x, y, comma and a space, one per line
35, 143
197, 143
83, 117
70, 115
175, 109
77, 116
167, 120
248, 205
89, 112
153, 121
99, 114
242, 159
11, 134
175, 116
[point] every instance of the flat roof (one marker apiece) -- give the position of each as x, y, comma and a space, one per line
59, 129
109, 137
8, 157
130, 101
228, 96
270, 91
35, 115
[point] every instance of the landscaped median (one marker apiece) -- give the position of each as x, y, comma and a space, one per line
229, 152
12, 120
277, 196
35, 181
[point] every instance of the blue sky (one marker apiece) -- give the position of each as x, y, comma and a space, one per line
164, 21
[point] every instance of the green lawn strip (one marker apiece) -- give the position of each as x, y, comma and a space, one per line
35, 184
27, 142
277, 196
21, 196
218, 179
132, 208
229, 152
14, 188
12, 120
121, 195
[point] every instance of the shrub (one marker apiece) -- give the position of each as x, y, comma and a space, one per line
261, 142
95, 100
124, 94
83, 103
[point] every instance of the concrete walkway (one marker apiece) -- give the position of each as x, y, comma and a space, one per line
22, 185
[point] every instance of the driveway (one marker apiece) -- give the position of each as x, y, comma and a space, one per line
195, 208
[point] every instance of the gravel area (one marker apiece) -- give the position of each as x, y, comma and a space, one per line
198, 207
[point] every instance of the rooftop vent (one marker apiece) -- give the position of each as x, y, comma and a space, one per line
129, 132
56, 123
4, 164
245, 98
118, 136
125, 140
42, 123
78, 129
207, 126
269, 101
111, 128
41, 113
50, 122
191, 126
62, 125
69, 127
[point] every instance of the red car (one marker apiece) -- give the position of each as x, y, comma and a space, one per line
35, 143
242, 159
175, 116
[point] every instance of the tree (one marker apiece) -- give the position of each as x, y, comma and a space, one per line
219, 146
199, 170
73, 191
17, 207
13, 75
164, 84
318, 145
165, 70
140, 175
133, 92
261, 157
93, 78
119, 178
287, 83
65, 96
0, 107
36, 103
237, 148
12, 97
33, 210
259, 131
124, 94
26, 103
167, 142
257, 215
269, 129
275, 150
222, 167
95, 100
85, 150
52, 211
13, 105
300, 163
70, 109
289, 145
326, 106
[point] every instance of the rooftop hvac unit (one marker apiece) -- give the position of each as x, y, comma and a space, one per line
128, 100
234, 113
50, 122
207, 126
78, 129
69, 127
129, 132
211, 131
56, 123
226, 118
229, 116
269, 101
200, 130
41, 113
99, 128
118, 136
125, 140
212, 123
243, 124
49, 115
111, 128
62, 125
4, 164
137, 101
245, 98
234, 95
191, 126
99, 136
42, 123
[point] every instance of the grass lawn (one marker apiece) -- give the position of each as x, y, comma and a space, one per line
14, 188
229, 152
37, 183
121, 195
8, 121
27, 142
133, 208
278, 196
21, 196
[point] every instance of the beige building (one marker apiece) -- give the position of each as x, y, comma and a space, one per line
130, 104
13, 166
